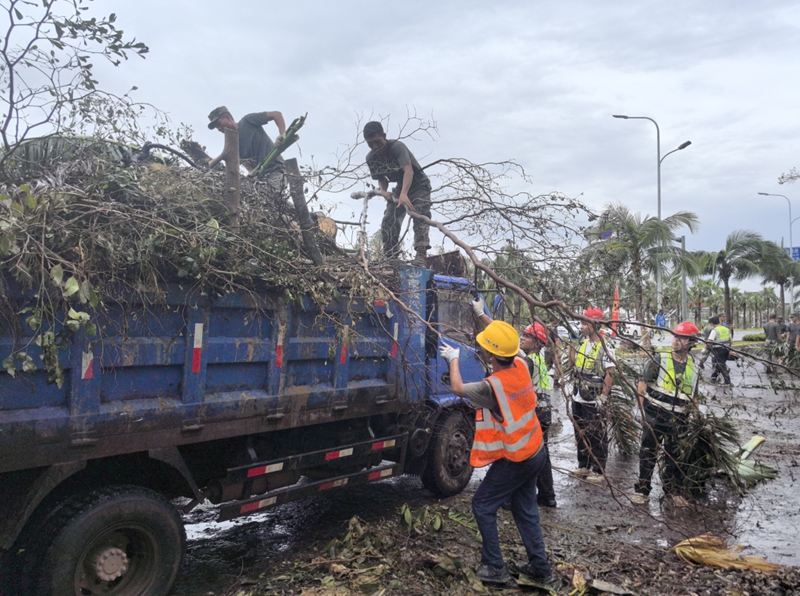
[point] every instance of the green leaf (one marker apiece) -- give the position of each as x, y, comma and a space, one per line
30, 202
73, 326
8, 364
91, 329
85, 291
28, 365
71, 287
57, 274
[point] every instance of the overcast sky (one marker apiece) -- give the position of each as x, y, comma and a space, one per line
531, 81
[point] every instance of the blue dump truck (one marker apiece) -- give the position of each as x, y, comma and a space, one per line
247, 403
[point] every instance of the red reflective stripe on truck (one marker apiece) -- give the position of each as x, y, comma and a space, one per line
334, 484
197, 351
261, 470
380, 474
383, 444
337, 454
343, 357
279, 356
87, 368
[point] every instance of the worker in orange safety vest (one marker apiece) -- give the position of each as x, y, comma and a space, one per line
508, 438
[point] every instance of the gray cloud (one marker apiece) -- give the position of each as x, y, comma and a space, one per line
536, 82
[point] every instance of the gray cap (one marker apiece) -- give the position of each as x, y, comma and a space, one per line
215, 115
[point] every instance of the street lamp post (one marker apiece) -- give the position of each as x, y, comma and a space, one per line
659, 159
791, 246
684, 303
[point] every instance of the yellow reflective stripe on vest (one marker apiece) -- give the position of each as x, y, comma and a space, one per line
667, 379
582, 361
542, 379
723, 333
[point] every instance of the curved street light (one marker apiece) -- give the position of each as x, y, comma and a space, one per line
659, 159
791, 244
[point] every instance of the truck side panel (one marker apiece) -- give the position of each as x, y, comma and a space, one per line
199, 369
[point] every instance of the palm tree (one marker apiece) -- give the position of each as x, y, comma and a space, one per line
738, 260
639, 243
736, 303
779, 269
701, 294
768, 300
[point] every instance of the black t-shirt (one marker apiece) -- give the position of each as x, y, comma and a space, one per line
772, 331
794, 329
388, 164
255, 144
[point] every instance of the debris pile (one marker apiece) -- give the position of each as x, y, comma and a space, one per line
433, 550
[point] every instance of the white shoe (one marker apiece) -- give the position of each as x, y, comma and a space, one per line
639, 499
579, 473
595, 478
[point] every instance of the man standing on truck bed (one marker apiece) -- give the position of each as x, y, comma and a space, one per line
507, 436
254, 142
391, 161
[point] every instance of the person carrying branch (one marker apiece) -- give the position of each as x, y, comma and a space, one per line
508, 438
254, 143
391, 161
593, 369
666, 391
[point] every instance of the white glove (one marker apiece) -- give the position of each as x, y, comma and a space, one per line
279, 140
478, 306
449, 353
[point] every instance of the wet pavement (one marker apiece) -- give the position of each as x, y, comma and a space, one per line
766, 520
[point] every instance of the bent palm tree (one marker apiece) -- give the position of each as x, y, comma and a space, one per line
779, 269
739, 260
640, 243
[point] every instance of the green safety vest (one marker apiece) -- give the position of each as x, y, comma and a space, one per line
671, 385
723, 333
540, 377
587, 365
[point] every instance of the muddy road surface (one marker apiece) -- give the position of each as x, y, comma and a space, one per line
224, 558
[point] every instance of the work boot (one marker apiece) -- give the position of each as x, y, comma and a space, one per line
552, 582
420, 258
496, 576
579, 473
595, 478
542, 502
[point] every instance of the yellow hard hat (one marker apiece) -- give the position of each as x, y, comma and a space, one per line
499, 338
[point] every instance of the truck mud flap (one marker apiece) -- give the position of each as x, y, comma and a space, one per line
313, 459
292, 493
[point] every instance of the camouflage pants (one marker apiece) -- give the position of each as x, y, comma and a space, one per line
393, 221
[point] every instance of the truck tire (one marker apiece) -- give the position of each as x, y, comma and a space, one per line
448, 470
118, 540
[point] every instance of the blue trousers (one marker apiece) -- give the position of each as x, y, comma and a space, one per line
516, 482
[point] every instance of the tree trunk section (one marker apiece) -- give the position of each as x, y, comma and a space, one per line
307, 226
232, 180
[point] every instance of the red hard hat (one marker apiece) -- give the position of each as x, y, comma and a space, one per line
594, 313
686, 328
536, 330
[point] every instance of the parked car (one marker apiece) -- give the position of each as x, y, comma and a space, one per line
632, 329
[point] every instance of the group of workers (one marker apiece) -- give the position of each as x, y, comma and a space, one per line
389, 161
513, 415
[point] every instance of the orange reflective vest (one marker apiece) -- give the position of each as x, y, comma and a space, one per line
519, 436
